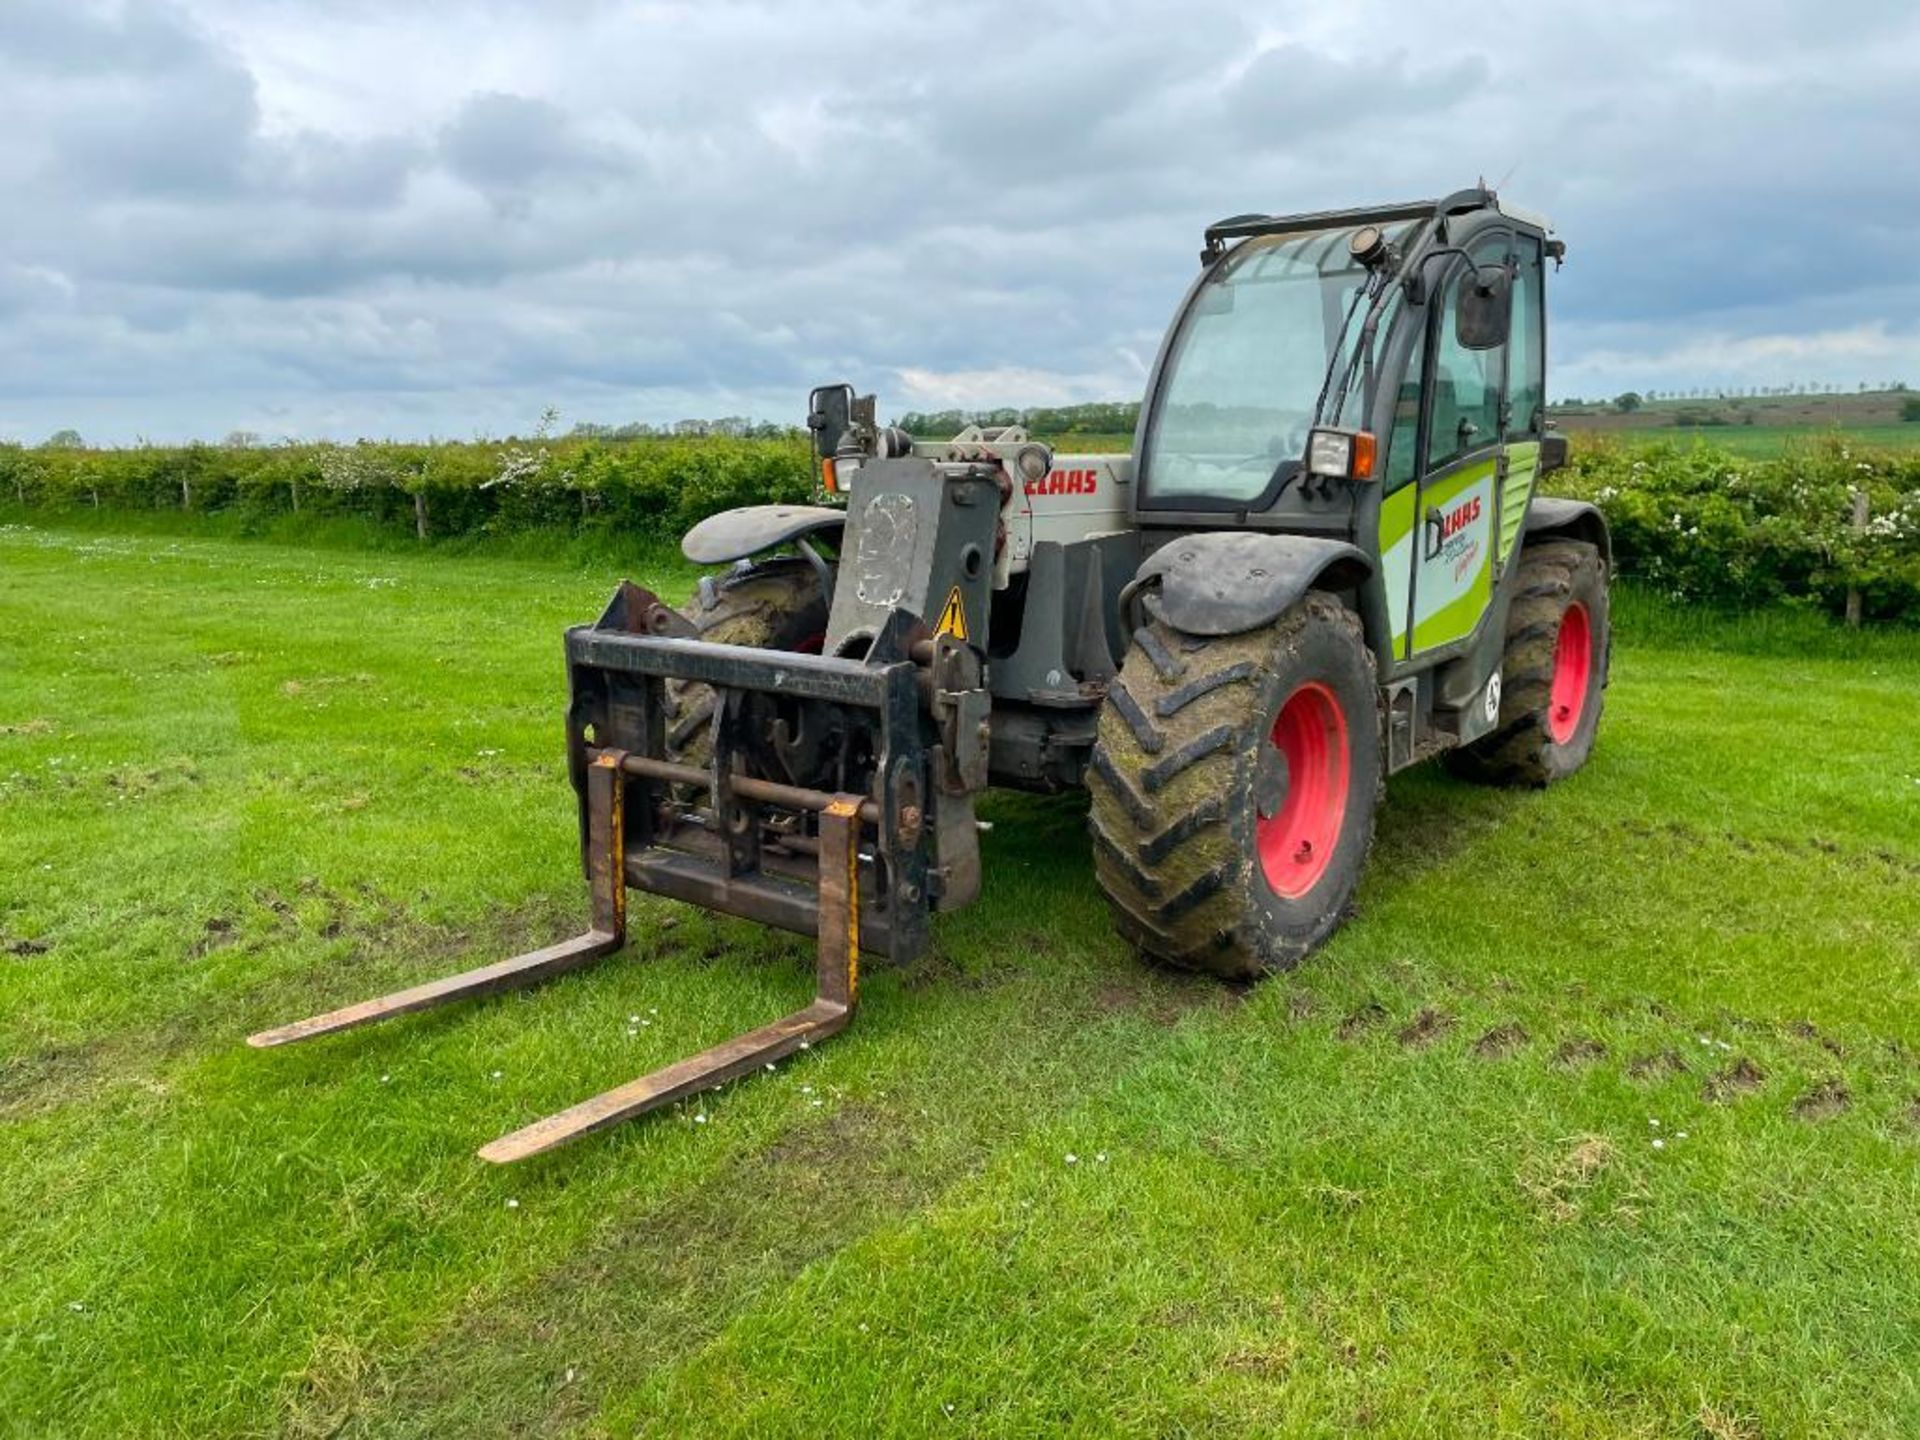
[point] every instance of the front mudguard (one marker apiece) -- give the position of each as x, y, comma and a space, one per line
1226, 582
738, 534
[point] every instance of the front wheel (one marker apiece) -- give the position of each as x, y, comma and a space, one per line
1233, 786
777, 604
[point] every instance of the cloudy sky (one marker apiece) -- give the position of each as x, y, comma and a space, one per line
346, 218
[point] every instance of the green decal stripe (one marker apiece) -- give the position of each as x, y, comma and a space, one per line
1523, 469
1396, 515
1396, 527
1457, 617
1459, 481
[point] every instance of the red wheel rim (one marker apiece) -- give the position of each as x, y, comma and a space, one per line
1572, 673
1296, 842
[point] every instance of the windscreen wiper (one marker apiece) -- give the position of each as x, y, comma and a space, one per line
1361, 292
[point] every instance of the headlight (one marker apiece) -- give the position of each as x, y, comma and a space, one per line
1340, 454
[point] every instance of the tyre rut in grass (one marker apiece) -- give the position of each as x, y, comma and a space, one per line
1185, 770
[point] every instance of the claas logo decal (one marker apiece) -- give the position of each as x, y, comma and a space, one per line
1460, 517
1065, 482
1443, 532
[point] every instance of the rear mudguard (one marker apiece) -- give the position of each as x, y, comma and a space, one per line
1224, 582
737, 534
1550, 517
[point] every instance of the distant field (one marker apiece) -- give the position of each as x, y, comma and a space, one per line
1598, 1120
1753, 425
1088, 444
1758, 441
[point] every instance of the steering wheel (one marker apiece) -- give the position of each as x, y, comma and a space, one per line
1278, 452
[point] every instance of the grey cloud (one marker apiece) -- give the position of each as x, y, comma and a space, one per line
81, 39
1079, 101
346, 174
174, 135
513, 144
135, 105
1292, 92
124, 102
622, 210
28, 290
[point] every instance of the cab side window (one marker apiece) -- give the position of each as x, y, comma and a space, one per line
1526, 369
1403, 453
1467, 384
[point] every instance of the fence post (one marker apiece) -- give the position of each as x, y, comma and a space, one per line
420, 513
1859, 528
186, 494
294, 485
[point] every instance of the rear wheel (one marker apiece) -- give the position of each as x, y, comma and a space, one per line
1233, 786
1554, 674
776, 605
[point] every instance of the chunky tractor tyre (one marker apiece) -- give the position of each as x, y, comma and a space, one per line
1554, 675
776, 605
1234, 783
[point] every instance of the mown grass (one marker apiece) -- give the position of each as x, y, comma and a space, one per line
1411, 1188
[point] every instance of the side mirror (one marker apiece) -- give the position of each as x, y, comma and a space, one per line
829, 416
1485, 310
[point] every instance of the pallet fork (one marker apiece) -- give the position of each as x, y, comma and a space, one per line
837, 967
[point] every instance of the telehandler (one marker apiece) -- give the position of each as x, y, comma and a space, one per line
1325, 560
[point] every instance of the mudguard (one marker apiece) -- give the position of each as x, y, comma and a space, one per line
736, 534
1224, 582
1549, 517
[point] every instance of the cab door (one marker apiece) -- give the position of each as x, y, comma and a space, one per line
1455, 519
1525, 416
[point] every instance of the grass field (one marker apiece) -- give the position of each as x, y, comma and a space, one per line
1599, 1119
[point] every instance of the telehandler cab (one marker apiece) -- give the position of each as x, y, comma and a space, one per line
1326, 560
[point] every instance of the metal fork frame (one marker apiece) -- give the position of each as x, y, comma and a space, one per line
606, 863
837, 965
836, 980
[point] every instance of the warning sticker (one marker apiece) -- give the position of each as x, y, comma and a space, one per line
953, 617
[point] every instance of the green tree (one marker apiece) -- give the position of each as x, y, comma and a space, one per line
64, 440
1627, 403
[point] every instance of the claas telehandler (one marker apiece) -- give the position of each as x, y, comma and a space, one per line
1326, 559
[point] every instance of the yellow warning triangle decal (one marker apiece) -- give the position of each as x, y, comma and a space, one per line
953, 618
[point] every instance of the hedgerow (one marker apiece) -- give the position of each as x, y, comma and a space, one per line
1696, 522
642, 488
1703, 525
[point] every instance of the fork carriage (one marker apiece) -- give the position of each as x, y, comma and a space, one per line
851, 869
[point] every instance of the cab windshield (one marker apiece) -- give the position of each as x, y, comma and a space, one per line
1237, 397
